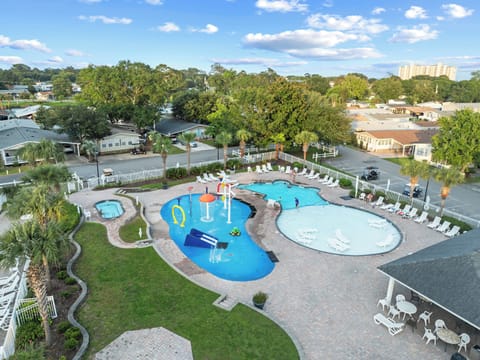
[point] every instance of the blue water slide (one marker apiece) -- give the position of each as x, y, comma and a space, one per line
198, 238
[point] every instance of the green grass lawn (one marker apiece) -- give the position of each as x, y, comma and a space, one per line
129, 231
135, 289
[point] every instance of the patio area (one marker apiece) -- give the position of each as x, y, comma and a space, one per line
325, 302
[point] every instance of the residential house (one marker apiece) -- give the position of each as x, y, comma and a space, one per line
119, 141
171, 127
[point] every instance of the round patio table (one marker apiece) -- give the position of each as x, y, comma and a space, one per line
406, 308
448, 337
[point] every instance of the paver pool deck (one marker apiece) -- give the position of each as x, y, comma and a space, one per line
325, 302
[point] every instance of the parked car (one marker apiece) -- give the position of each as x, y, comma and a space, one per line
417, 190
370, 173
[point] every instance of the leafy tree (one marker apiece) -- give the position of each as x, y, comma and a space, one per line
306, 138
62, 86
28, 153
161, 144
279, 140
414, 169
49, 150
457, 143
448, 177
388, 88
187, 138
224, 138
353, 87
31, 240
317, 83
90, 148
50, 175
243, 136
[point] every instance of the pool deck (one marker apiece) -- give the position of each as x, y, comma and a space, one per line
325, 302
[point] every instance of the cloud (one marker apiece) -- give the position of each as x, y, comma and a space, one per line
327, 4
73, 52
378, 10
154, 2
416, 12
440, 18
348, 23
11, 60
310, 44
282, 5
23, 44
168, 27
208, 29
55, 60
456, 11
258, 61
417, 33
106, 20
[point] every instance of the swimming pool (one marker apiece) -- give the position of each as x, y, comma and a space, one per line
328, 227
241, 260
109, 209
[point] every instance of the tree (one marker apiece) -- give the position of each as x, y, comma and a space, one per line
161, 144
243, 136
187, 138
353, 87
414, 169
49, 150
388, 88
457, 143
62, 86
29, 153
448, 177
31, 240
306, 138
90, 148
50, 175
279, 140
224, 138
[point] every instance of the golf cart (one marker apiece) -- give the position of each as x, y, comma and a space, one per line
370, 173
417, 190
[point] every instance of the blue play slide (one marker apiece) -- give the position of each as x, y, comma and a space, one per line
200, 239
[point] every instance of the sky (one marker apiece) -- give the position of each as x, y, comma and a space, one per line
292, 37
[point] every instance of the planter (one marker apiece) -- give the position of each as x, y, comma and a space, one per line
165, 186
259, 299
259, 305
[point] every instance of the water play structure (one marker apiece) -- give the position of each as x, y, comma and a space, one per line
182, 212
200, 239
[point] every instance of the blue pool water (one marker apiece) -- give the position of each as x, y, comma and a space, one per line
109, 209
242, 260
317, 223
285, 193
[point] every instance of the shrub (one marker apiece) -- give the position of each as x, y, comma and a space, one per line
72, 333
70, 281
463, 226
234, 163
70, 344
298, 165
260, 297
345, 183
62, 275
63, 326
65, 294
31, 352
27, 333
176, 173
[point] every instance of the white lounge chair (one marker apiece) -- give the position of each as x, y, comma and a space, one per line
379, 201
303, 172
405, 210
327, 180
435, 223
212, 177
386, 206
206, 177
393, 327
288, 170
314, 177
334, 184
412, 213
200, 180
387, 242
249, 169
395, 207
258, 169
311, 173
269, 166
444, 226
264, 168
422, 218
324, 179
453, 231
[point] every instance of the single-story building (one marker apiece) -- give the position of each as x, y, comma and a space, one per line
446, 274
169, 126
15, 133
405, 142
120, 141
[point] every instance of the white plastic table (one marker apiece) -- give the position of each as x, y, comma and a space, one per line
406, 307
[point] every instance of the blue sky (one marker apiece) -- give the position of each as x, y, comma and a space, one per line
293, 37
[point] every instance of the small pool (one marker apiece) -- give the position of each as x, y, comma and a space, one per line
109, 209
238, 259
327, 227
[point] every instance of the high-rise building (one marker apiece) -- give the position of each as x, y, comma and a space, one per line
408, 71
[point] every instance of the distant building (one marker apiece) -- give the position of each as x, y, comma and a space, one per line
408, 71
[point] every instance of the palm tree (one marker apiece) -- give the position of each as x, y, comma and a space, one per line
243, 136
29, 153
161, 144
279, 140
448, 177
32, 241
186, 138
414, 169
306, 138
90, 148
50, 175
224, 138
50, 150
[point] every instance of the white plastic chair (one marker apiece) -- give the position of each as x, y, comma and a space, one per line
362, 196
434, 224
445, 225
425, 316
399, 298
379, 201
453, 231
439, 324
464, 341
422, 218
200, 180
269, 166
394, 312
384, 303
430, 336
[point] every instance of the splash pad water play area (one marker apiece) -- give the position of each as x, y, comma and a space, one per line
210, 230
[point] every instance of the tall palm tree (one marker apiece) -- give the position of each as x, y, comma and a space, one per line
90, 148
29, 153
161, 144
224, 138
49, 150
306, 138
414, 169
187, 138
32, 241
51, 175
279, 140
448, 177
243, 136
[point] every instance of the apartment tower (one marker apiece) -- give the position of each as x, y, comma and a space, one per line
408, 71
